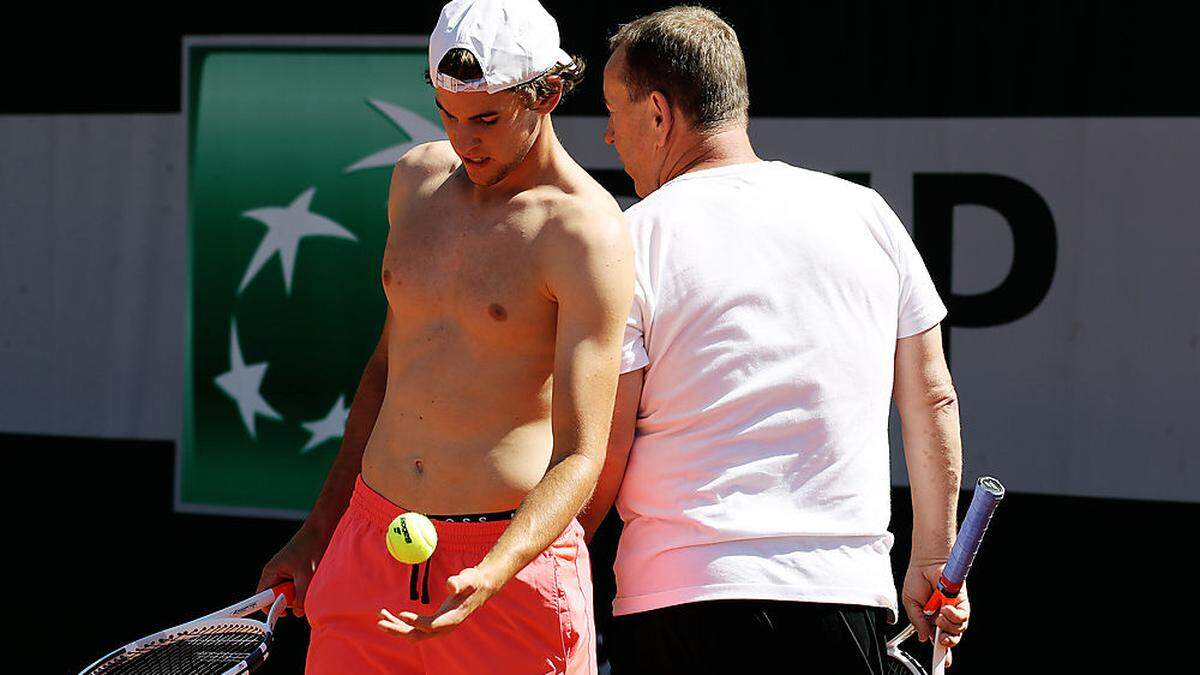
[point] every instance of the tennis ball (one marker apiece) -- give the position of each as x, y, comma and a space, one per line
411, 538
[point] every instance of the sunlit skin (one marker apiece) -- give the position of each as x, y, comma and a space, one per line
507, 269
508, 276
634, 127
493, 135
655, 139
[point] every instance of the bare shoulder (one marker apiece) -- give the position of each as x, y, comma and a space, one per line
422, 164
580, 219
418, 172
583, 243
432, 157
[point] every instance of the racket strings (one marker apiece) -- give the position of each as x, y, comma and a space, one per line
207, 650
901, 663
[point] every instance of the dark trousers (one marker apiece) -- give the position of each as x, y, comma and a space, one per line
749, 637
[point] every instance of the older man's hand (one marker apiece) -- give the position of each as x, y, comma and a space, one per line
919, 584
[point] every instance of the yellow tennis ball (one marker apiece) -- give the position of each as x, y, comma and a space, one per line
411, 538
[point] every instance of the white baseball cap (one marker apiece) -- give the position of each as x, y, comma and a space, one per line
514, 41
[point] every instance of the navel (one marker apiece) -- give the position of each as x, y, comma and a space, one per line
497, 312
418, 467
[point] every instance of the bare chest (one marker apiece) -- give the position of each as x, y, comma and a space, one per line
475, 268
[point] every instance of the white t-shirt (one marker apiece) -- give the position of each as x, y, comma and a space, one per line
768, 304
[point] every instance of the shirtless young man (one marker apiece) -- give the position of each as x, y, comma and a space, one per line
507, 269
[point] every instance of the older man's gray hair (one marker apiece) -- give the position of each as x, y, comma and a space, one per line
692, 57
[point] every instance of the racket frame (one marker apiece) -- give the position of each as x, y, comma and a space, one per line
275, 600
893, 650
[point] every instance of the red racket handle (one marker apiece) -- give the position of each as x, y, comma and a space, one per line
288, 590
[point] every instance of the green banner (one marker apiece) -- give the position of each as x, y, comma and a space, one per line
289, 153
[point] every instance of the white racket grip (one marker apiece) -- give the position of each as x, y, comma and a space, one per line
939, 653
246, 607
256, 603
277, 609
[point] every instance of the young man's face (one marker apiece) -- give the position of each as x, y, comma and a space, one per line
491, 133
630, 127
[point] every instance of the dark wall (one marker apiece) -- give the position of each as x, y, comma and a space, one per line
1062, 584
843, 58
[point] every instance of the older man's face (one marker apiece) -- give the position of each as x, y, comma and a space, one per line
630, 127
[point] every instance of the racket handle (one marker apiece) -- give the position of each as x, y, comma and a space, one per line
987, 495
288, 590
937, 601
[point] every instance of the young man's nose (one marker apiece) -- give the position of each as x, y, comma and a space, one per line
467, 141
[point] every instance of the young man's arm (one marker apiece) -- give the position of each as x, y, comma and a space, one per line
620, 440
298, 559
928, 405
590, 276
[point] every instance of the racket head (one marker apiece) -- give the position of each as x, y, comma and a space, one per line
218, 646
221, 643
901, 663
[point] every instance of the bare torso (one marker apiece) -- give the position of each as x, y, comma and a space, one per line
465, 424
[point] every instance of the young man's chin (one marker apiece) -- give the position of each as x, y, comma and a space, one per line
486, 173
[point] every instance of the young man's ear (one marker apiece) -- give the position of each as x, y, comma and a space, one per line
547, 104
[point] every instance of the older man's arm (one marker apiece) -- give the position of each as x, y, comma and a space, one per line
928, 405
620, 440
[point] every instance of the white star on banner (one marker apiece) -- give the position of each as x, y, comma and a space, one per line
333, 426
286, 226
242, 383
418, 129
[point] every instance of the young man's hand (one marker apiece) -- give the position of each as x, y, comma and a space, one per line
466, 592
298, 561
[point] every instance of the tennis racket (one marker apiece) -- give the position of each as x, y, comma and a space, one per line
987, 495
222, 643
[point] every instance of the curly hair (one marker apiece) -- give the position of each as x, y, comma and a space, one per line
461, 64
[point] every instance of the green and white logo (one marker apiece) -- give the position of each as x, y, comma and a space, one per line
289, 153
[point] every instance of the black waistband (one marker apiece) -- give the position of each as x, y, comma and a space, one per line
475, 517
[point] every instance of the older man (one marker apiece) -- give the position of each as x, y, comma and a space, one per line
777, 313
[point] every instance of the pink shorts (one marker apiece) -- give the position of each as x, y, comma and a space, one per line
540, 622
